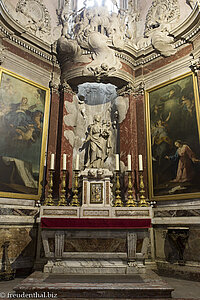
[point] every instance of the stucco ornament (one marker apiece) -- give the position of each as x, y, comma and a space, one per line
160, 19
34, 16
87, 36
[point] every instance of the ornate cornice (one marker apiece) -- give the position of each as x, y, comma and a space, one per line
27, 46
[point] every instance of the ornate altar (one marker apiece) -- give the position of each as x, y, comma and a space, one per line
100, 220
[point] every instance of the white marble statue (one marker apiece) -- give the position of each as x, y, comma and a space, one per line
98, 143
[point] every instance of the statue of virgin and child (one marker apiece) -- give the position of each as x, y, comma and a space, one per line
98, 143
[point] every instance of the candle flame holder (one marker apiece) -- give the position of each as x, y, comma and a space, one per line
75, 200
49, 200
118, 201
62, 201
130, 202
143, 201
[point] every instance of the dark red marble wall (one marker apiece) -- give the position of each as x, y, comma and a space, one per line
163, 61
65, 145
53, 133
133, 137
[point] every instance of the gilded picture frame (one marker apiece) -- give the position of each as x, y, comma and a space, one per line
173, 139
96, 193
24, 114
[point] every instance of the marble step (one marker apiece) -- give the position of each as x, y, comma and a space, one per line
95, 286
87, 266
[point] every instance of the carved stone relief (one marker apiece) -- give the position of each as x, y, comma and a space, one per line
160, 19
92, 30
79, 31
34, 16
131, 89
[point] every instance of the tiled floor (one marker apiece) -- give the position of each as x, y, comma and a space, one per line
182, 288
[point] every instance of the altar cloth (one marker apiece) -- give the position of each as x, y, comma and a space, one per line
86, 223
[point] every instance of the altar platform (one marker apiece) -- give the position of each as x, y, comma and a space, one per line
148, 285
96, 252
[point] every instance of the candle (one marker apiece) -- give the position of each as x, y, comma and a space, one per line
140, 162
136, 5
129, 162
77, 162
64, 162
52, 161
117, 162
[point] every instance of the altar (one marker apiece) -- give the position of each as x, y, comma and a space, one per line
80, 240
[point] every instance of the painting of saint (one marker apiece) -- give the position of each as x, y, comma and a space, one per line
23, 125
173, 139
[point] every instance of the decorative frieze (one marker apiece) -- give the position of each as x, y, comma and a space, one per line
93, 213
60, 212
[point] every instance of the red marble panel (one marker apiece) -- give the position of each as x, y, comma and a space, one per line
65, 145
28, 56
141, 129
128, 138
128, 69
53, 132
163, 61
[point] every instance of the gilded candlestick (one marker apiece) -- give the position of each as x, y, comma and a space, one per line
49, 200
62, 201
143, 202
75, 200
118, 200
130, 202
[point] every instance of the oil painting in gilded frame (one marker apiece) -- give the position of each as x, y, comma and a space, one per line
24, 112
173, 139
